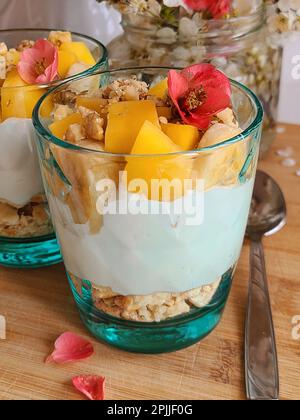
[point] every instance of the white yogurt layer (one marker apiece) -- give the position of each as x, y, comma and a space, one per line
20, 177
145, 254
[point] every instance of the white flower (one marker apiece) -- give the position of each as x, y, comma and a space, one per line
138, 6
245, 7
219, 62
295, 5
157, 55
187, 27
284, 5
167, 35
181, 53
175, 3
154, 7
185, 56
297, 24
288, 5
283, 22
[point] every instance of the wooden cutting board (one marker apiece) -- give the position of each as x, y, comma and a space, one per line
38, 307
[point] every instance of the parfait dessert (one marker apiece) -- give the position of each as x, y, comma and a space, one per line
31, 61
149, 180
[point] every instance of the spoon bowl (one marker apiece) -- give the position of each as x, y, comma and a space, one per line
268, 209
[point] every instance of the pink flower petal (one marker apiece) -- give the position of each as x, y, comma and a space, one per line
217, 8
70, 348
93, 387
199, 79
39, 64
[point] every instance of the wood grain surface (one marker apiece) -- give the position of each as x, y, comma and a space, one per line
38, 306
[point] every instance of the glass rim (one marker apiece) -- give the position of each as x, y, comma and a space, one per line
103, 59
47, 135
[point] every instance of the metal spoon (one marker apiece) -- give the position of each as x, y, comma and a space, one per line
267, 216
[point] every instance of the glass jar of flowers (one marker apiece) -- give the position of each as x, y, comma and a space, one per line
230, 34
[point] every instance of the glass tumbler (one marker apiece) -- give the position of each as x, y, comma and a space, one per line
27, 238
151, 268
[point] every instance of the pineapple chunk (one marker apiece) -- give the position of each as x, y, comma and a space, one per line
152, 141
94, 104
18, 99
58, 37
185, 136
59, 128
159, 90
80, 50
66, 59
125, 120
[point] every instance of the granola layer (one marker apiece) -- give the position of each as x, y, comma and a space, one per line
29, 221
150, 308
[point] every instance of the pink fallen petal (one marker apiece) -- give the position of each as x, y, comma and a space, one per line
70, 348
93, 387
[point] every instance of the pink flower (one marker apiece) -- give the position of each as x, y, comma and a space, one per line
93, 387
39, 64
217, 8
69, 348
199, 92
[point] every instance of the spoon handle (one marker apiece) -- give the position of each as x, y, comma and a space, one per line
261, 364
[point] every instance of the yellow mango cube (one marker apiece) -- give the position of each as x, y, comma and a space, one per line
156, 170
18, 99
80, 50
160, 89
185, 136
59, 128
66, 59
125, 120
94, 104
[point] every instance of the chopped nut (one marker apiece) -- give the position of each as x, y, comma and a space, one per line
2, 68
57, 37
30, 221
125, 90
3, 48
131, 93
75, 134
65, 97
163, 120
93, 125
24, 45
61, 112
85, 111
8, 215
12, 57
